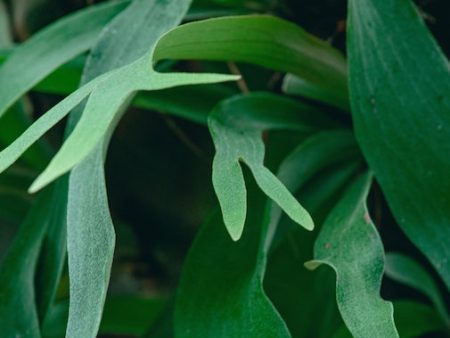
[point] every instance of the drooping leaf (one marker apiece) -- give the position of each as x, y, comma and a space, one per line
54, 46
262, 40
407, 271
236, 126
18, 313
401, 114
349, 243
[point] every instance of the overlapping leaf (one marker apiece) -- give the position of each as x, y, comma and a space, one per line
399, 85
53, 46
262, 40
407, 271
18, 313
236, 126
350, 244
213, 304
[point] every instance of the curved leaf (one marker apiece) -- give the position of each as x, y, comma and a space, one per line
401, 115
349, 243
262, 40
18, 313
407, 271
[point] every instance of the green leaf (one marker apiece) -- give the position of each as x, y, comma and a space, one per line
213, 304
415, 319
53, 46
9, 155
262, 40
317, 170
349, 243
101, 112
90, 231
401, 118
295, 85
236, 126
407, 271
18, 313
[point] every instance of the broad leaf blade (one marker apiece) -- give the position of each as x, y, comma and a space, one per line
349, 243
401, 116
213, 304
263, 40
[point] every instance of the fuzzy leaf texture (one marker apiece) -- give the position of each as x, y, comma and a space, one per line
350, 244
236, 126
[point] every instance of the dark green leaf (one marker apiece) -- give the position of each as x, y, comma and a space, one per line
399, 85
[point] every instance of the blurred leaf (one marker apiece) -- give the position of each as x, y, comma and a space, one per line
401, 116
407, 271
5, 34
262, 40
236, 126
130, 315
415, 319
53, 46
18, 313
349, 243
298, 86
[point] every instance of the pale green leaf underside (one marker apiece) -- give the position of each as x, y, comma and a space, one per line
104, 102
399, 85
53, 46
350, 244
236, 126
